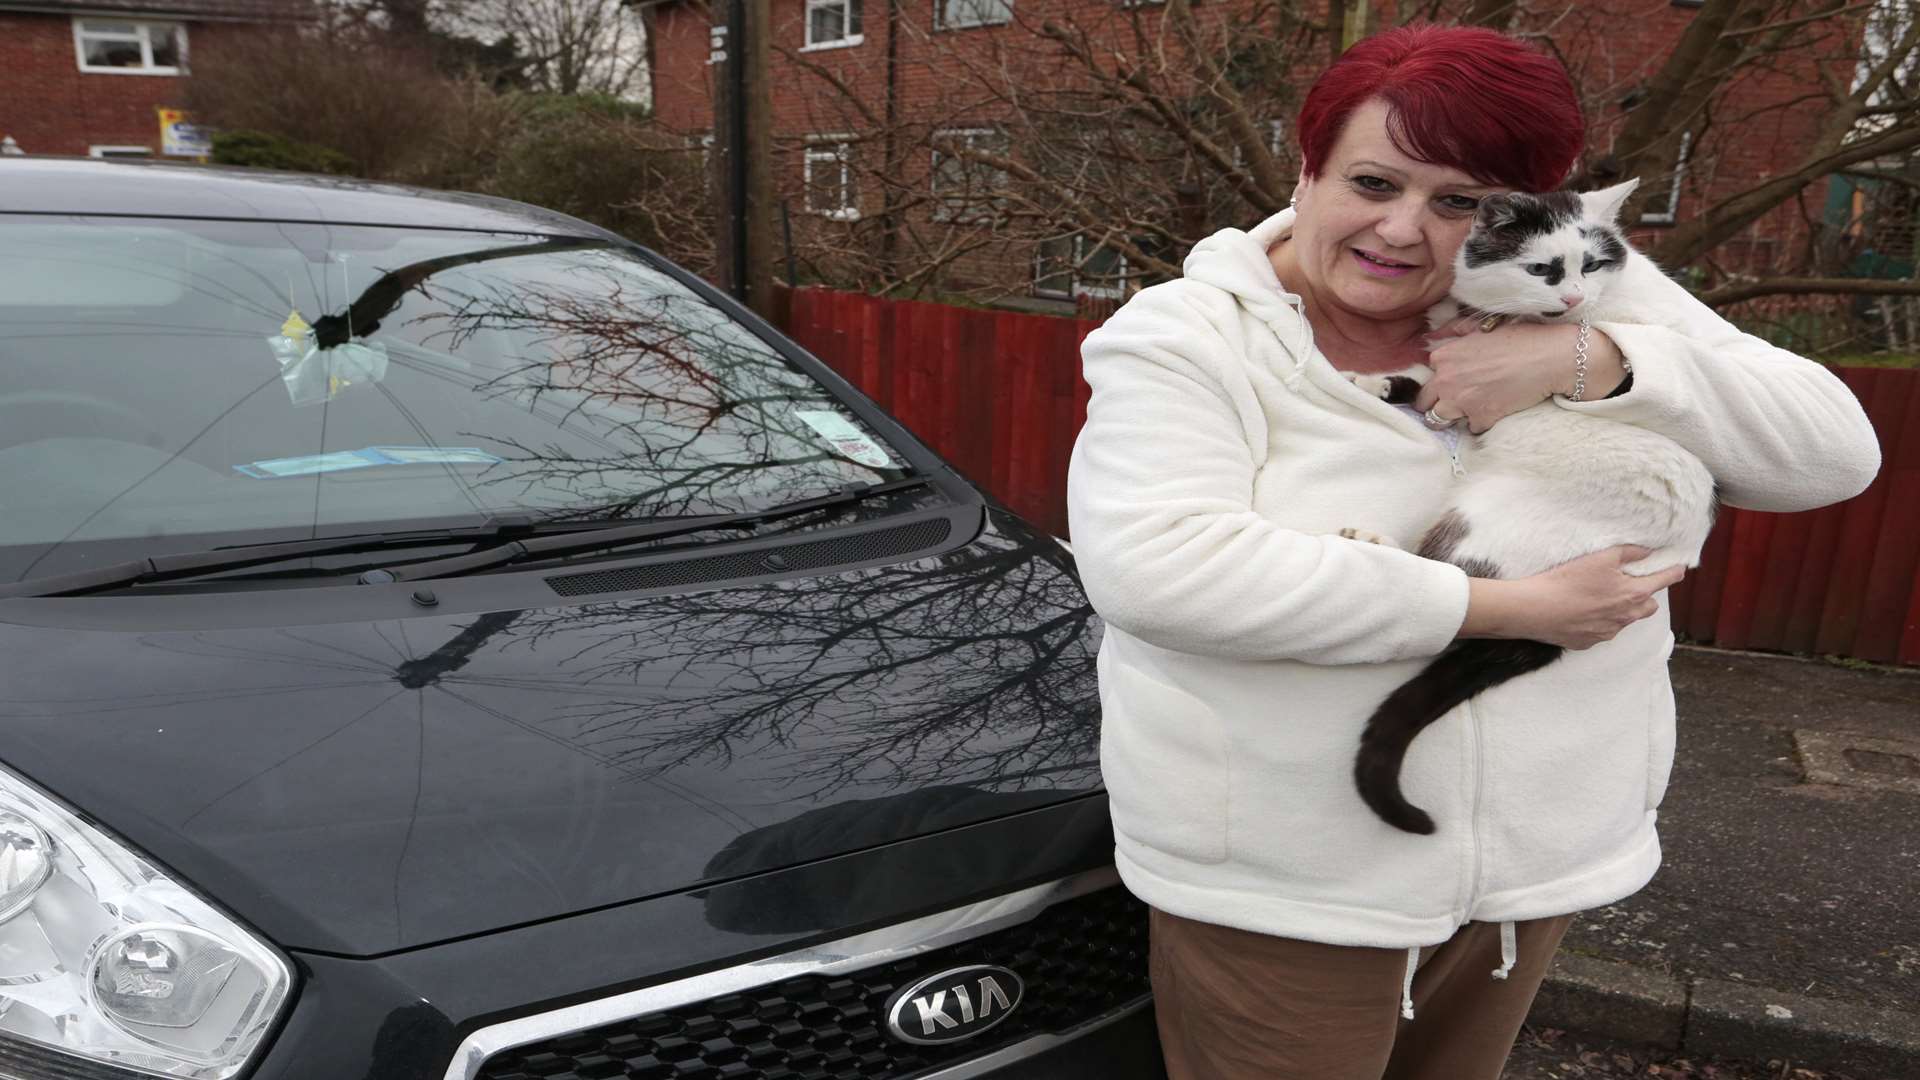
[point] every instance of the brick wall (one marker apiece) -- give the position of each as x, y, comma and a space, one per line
50, 106
1610, 48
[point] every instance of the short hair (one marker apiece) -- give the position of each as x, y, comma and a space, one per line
1472, 99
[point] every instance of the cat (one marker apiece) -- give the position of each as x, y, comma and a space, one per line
1543, 485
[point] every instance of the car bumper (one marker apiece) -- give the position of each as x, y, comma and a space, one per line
458, 1010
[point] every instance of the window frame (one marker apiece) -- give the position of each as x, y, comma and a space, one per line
1076, 286
143, 34
848, 11
940, 23
1672, 212
968, 206
837, 148
118, 151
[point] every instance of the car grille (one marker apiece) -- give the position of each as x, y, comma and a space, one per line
1080, 959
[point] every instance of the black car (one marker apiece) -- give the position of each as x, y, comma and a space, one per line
444, 639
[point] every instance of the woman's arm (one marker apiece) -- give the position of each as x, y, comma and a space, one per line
1169, 547
1777, 431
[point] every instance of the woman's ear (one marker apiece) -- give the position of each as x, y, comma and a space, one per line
1604, 205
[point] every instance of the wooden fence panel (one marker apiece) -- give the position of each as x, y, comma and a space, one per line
999, 394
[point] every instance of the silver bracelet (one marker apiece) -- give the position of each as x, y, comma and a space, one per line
1580, 361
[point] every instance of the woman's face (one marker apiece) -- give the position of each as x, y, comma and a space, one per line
1376, 231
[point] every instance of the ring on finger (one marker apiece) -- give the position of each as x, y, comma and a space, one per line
1437, 422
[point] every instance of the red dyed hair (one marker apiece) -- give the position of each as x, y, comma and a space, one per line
1475, 100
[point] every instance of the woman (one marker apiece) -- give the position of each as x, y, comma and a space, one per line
1295, 935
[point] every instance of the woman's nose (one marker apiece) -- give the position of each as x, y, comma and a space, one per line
1401, 226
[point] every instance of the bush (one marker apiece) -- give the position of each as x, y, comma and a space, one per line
596, 158
269, 151
364, 105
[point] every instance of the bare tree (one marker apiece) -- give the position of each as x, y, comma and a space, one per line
1111, 138
571, 46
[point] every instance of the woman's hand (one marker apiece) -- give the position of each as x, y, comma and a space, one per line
1575, 605
1486, 377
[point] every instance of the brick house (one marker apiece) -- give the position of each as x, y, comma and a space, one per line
89, 76
818, 138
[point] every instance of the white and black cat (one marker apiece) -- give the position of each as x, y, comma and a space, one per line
1546, 484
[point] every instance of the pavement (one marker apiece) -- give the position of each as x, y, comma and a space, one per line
1784, 924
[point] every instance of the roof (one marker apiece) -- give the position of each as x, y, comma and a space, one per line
211, 10
50, 185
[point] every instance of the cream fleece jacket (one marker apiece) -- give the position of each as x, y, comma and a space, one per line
1246, 643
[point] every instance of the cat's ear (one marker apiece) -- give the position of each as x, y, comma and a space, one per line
1497, 211
1604, 205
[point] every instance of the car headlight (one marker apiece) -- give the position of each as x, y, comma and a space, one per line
105, 959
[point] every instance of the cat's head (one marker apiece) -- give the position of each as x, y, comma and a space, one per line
1543, 257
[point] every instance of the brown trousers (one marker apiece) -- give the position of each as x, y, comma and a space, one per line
1236, 1005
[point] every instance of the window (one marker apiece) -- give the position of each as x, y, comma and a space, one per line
1276, 144
119, 151
962, 187
960, 14
1663, 211
833, 24
130, 48
829, 178
1072, 266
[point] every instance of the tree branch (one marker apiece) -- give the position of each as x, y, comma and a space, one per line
1718, 224
1748, 290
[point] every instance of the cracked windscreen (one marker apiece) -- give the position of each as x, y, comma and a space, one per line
176, 385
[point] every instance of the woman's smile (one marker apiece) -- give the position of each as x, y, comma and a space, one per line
1372, 262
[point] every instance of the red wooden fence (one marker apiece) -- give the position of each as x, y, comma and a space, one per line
999, 395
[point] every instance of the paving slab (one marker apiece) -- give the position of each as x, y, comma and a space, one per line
1792, 866
1737, 1021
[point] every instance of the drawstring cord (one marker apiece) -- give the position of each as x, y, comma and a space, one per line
1406, 988
1509, 951
1295, 351
1509, 955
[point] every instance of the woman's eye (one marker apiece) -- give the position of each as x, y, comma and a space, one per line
1371, 183
1537, 269
1463, 203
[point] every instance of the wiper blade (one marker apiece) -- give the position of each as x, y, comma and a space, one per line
619, 536
216, 560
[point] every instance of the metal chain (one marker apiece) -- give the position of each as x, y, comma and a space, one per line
1580, 361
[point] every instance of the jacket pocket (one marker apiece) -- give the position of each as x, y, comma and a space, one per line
1661, 732
1163, 756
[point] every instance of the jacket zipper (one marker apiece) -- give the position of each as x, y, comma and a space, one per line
1473, 826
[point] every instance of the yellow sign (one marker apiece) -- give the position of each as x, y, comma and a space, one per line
179, 137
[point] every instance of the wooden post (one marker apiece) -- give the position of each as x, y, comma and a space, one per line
741, 163
760, 248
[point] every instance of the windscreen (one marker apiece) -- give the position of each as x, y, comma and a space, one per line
180, 385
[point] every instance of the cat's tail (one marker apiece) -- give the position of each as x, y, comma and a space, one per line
1465, 669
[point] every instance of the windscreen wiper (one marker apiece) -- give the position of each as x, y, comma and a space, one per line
216, 560
622, 535
512, 538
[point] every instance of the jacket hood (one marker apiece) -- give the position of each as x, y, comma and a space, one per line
365, 786
1235, 261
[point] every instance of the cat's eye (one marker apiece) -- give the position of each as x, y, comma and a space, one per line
1538, 269
1590, 264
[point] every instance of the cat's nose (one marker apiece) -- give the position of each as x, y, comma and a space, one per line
1572, 300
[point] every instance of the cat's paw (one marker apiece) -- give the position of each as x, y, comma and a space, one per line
1380, 386
1368, 536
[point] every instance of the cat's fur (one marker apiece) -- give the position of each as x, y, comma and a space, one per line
1546, 484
